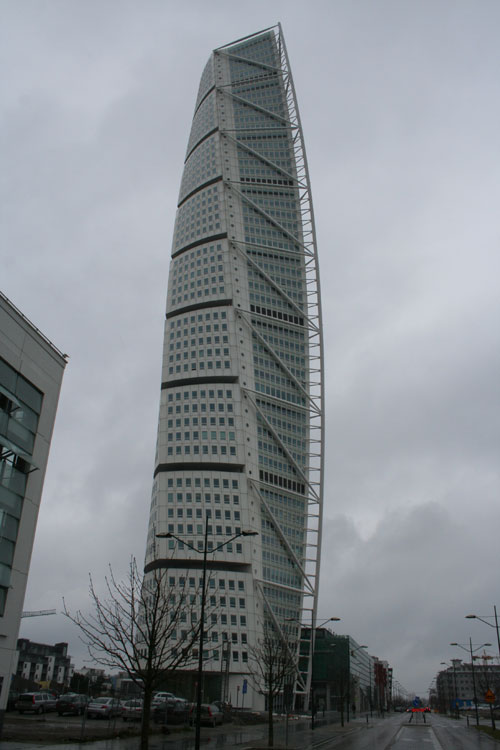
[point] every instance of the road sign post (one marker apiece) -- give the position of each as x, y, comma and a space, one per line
490, 698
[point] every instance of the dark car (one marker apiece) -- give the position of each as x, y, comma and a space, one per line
174, 710
71, 703
37, 703
211, 715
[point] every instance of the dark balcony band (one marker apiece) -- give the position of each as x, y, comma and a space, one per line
198, 466
212, 87
167, 563
203, 138
199, 188
212, 238
205, 380
199, 306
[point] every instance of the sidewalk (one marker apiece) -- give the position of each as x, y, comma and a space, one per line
301, 736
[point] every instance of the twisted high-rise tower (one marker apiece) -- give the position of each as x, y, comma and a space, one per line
240, 436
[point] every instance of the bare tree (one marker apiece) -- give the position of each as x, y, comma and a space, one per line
273, 662
142, 627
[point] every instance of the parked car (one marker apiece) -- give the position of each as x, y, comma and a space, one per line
132, 710
161, 696
72, 703
174, 710
211, 715
104, 707
38, 703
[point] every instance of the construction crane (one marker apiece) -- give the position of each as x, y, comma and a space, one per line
39, 613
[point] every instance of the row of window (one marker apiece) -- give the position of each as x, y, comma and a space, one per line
198, 514
190, 528
201, 450
278, 314
293, 442
191, 582
274, 449
182, 333
198, 295
200, 353
185, 395
281, 481
287, 339
221, 406
207, 482
201, 342
282, 503
200, 545
271, 390
204, 421
216, 656
296, 365
222, 435
197, 497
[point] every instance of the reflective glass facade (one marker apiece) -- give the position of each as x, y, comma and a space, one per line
31, 370
20, 407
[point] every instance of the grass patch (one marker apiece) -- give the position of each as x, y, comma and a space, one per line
495, 733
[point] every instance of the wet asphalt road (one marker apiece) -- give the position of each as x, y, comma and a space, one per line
390, 733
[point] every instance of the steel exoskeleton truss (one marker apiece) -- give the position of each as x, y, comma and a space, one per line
310, 314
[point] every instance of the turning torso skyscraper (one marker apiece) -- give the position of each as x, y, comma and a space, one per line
240, 435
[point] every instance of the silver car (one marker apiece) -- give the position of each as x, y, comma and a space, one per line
104, 707
38, 703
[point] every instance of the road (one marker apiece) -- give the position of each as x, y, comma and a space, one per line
390, 733
395, 733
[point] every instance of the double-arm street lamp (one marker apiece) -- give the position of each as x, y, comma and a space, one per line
489, 617
205, 550
463, 646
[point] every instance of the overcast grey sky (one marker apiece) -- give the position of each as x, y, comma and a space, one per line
401, 114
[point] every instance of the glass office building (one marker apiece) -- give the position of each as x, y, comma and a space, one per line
241, 413
31, 371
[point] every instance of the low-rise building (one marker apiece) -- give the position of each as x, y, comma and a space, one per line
44, 664
346, 677
457, 685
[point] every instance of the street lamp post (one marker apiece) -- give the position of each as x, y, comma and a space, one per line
497, 628
170, 535
471, 651
496, 625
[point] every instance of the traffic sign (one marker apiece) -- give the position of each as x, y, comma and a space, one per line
489, 696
